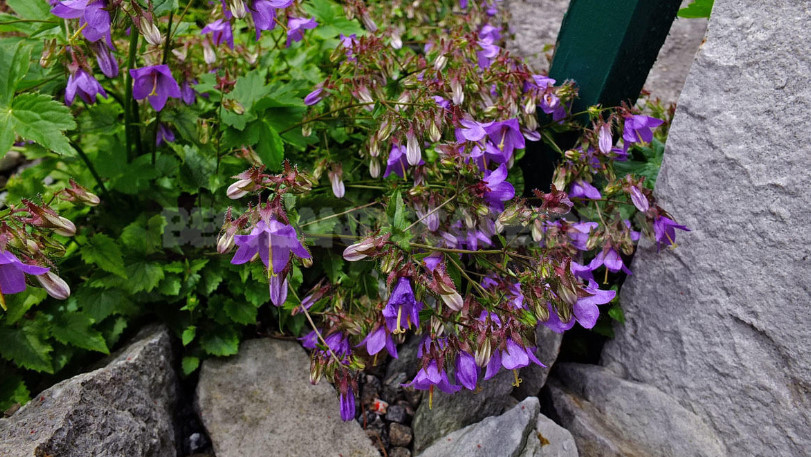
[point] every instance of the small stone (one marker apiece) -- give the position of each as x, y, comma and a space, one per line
400, 435
396, 413
377, 439
374, 422
196, 442
399, 452
413, 396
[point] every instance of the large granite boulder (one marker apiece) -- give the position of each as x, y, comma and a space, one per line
504, 436
536, 24
549, 440
261, 403
721, 323
123, 409
610, 416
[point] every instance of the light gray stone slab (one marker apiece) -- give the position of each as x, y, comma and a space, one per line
503, 436
536, 24
533, 377
722, 322
124, 409
549, 440
611, 416
261, 403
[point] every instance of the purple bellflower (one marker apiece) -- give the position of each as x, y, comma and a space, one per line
467, 372
470, 131
377, 339
220, 31
164, 135
347, 400
12, 275
497, 189
506, 136
402, 310
585, 310
187, 93
430, 377
664, 230
296, 27
264, 16
638, 128
314, 97
105, 59
639, 199
512, 357
84, 85
582, 189
154, 83
92, 16
611, 259
397, 162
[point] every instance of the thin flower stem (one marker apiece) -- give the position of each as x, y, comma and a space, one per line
128, 101
91, 168
165, 60
338, 215
317, 332
469, 279
455, 251
182, 15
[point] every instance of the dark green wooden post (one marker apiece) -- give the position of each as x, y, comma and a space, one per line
608, 48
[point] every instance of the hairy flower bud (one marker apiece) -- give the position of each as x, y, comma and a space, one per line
63, 226
433, 132
374, 167
54, 285
225, 242
360, 250
457, 92
483, 353
335, 178
237, 8
386, 128
150, 32
541, 311
440, 62
454, 300
240, 188
208, 54
374, 147
413, 152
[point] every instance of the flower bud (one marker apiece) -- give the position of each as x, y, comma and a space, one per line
433, 132
454, 300
368, 22
440, 62
390, 261
150, 32
240, 188
457, 91
307, 262
374, 167
32, 246
338, 188
386, 128
537, 230
225, 242
360, 250
541, 311
483, 353
54, 285
62, 226
208, 54
396, 40
48, 53
413, 152
530, 105
237, 8
306, 130
374, 147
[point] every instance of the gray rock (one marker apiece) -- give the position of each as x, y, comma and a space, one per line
549, 440
452, 412
399, 452
503, 436
536, 24
400, 435
396, 413
533, 377
123, 409
608, 415
406, 361
261, 403
721, 323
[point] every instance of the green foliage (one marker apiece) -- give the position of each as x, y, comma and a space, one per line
697, 9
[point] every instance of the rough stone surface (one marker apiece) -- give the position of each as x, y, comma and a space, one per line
721, 323
503, 436
261, 403
400, 435
533, 376
452, 412
610, 416
536, 24
123, 409
399, 452
549, 440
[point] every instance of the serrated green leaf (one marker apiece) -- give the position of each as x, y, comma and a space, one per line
101, 303
212, 278
23, 347
39, 118
170, 286
103, 252
14, 61
75, 329
270, 147
19, 304
143, 276
190, 364
31, 9
220, 341
240, 311
189, 334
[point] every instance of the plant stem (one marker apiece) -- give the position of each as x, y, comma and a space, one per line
166, 46
338, 215
128, 92
92, 169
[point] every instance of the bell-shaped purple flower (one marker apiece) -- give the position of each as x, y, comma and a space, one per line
377, 339
347, 400
664, 230
165, 135
264, 16
467, 372
582, 189
497, 189
274, 241
506, 136
154, 83
579, 234
638, 128
296, 27
402, 309
513, 357
639, 199
397, 162
220, 31
314, 97
430, 377
611, 259
585, 309
93, 17
470, 131
84, 85
12, 274
277, 284
187, 93
107, 62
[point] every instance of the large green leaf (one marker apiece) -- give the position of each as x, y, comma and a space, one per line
24, 347
31, 9
144, 276
270, 147
103, 252
14, 60
221, 341
76, 329
38, 118
699, 8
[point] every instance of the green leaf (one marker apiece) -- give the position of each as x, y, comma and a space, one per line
14, 61
103, 252
39, 118
31, 9
12, 391
75, 329
143, 276
247, 90
170, 286
699, 8
101, 303
615, 312
240, 311
212, 277
221, 341
23, 347
270, 148
190, 364
189, 334
19, 304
